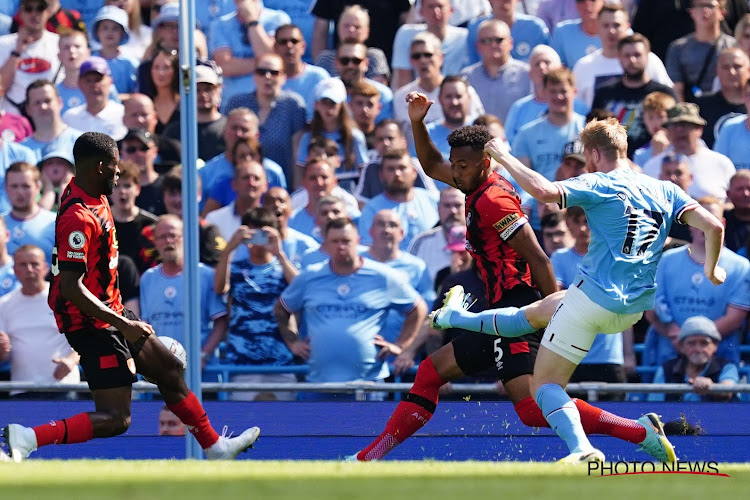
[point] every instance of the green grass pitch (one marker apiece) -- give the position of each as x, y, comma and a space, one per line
300, 480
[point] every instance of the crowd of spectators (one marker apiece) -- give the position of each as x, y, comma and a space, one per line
322, 241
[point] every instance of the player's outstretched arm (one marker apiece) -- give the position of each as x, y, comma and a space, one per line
73, 290
429, 156
702, 219
530, 181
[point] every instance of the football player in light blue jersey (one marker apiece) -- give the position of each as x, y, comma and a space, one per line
386, 234
345, 303
27, 222
539, 145
163, 288
683, 291
231, 43
527, 31
629, 215
416, 207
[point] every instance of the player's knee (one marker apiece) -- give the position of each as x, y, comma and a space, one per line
118, 424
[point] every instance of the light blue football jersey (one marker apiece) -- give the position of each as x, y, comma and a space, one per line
38, 230
733, 141
629, 215
343, 313
543, 143
527, 32
161, 302
527, 109
63, 142
417, 215
572, 43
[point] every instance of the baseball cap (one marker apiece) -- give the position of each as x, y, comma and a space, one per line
114, 14
206, 74
684, 112
574, 149
66, 155
456, 239
170, 12
140, 134
94, 64
699, 325
331, 88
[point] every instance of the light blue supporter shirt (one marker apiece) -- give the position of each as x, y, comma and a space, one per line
733, 141
606, 349
359, 146
216, 178
304, 84
161, 302
124, 70
543, 143
63, 142
629, 215
572, 43
417, 215
304, 222
253, 337
527, 32
684, 291
38, 230
414, 271
455, 49
227, 32
343, 313
527, 109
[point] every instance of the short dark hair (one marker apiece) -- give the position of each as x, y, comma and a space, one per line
552, 219
395, 154
390, 121
453, 79
474, 136
37, 84
339, 223
172, 180
94, 147
258, 217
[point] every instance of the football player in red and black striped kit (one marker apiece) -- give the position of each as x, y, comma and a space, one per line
112, 342
515, 271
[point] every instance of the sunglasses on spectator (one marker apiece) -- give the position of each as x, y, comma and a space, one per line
31, 8
284, 41
267, 71
421, 55
491, 39
346, 61
134, 149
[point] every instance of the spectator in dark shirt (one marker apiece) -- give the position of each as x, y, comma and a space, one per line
139, 146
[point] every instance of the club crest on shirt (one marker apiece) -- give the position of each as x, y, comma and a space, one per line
697, 279
18, 232
343, 290
170, 292
523, 49
76, 240
8, 135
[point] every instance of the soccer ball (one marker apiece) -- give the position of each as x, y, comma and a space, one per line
175, 348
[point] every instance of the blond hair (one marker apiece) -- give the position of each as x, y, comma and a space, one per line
608, 136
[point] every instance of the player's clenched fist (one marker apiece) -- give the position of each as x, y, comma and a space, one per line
419, 105
496, 148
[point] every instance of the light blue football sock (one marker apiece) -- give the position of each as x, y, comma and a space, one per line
507, 321
562, 415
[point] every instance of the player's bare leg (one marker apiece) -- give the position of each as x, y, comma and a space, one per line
157, 363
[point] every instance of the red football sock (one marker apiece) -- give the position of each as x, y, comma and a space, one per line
597, 421
192, 414
76, 429
594, 420
410, 415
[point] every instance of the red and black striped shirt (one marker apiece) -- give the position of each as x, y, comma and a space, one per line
85, 240
493, 216
63, 18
